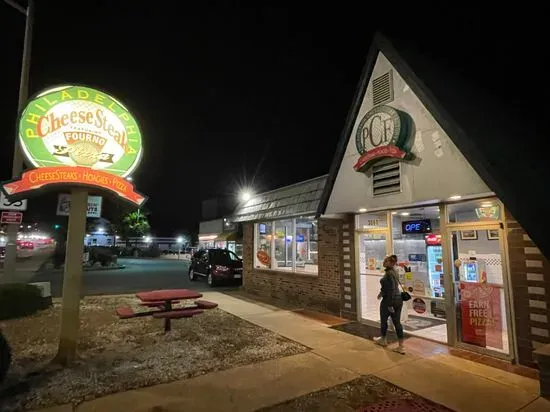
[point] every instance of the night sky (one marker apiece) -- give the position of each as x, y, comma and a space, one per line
231, 95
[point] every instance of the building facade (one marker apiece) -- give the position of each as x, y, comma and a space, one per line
401, 184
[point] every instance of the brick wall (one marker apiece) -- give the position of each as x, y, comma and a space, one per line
530, 278
348, 283
321, 292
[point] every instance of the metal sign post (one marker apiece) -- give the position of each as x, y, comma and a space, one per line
17, 166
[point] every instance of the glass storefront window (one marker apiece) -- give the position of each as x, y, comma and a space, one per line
289, 244
373, 220
417, 244
283, 235
306, 245
487, 210
263, 238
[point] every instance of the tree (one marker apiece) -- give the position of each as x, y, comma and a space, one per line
134, 224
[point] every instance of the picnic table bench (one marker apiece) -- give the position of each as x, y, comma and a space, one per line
162, 301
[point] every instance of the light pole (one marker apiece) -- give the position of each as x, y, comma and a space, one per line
180, 241
17, 166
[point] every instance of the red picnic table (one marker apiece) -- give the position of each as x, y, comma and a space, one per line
163, 301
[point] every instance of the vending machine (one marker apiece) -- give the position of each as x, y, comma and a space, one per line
473, 270
434, 254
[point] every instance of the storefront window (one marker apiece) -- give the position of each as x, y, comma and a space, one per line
367, 221
289, 244
417, 244
487, 210
264, 240
283, 235
306, 245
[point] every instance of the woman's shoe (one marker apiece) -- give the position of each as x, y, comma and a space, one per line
400, 349
382, 341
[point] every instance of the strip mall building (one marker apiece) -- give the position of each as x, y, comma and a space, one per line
406, 179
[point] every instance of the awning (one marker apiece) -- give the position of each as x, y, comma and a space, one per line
227, 236
300, 199
205, 237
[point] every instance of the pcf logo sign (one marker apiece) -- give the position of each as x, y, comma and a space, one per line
382, 132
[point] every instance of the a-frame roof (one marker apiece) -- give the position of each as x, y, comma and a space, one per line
500, 143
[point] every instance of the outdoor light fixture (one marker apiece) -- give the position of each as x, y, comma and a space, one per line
455, 197
487, 204
393, 213
100, 229
362, 210
148, 239
405, 214
246, 195
179, 239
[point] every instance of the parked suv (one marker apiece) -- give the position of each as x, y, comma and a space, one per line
217, 265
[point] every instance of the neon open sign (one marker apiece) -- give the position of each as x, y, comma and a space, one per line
416, 226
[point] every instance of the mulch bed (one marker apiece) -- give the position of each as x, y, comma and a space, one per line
364, 394
118, 355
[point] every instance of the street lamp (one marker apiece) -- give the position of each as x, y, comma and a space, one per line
179, 240
246, 195
17, 165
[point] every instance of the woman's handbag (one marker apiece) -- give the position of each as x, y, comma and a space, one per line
404, 294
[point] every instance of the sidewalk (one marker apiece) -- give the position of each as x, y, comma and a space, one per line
336, 357
26, 269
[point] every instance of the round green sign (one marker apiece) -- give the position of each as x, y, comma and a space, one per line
80, 126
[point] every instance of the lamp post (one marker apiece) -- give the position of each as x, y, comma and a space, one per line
179, 240
17, 166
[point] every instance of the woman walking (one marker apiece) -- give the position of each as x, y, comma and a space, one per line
391, 304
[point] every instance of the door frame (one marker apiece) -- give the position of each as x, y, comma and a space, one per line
387, 231
452, 326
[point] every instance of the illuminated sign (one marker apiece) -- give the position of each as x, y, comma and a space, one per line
43, 177
64, 205
416, 226
76, 136
433, 240
383, 132
488, 213
80, 126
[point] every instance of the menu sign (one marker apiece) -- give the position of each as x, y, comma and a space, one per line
481, 314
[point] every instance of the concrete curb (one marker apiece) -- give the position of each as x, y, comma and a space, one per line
85, 269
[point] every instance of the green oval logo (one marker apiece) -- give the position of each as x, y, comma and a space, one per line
80, 126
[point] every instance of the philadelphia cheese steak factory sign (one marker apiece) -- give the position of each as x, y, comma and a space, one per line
78, 136
383, 132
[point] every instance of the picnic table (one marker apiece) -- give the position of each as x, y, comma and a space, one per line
163, 300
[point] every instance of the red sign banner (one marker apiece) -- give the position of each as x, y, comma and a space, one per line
381, 151
481, 314
72, 175
11, 217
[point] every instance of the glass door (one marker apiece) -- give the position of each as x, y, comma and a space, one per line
372, 250
480, 289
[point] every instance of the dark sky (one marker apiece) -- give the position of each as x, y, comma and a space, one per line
230, 94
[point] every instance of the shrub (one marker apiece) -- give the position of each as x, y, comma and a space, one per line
19, 300
152, 251
103, 255
5, 357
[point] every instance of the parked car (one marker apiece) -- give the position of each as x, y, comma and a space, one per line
217, 265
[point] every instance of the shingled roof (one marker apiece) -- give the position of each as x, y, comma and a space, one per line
498, 140
299, 199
